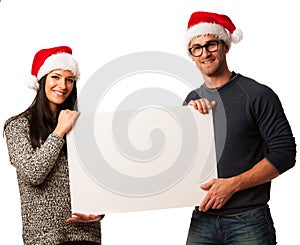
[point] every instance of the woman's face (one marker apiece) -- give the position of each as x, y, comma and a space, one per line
59, 85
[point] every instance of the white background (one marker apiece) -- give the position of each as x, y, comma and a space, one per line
101, 31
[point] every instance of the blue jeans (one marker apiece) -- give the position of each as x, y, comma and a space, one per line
254, 227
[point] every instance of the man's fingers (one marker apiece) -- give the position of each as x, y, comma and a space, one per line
202, 105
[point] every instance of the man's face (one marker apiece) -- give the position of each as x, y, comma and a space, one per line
210, 63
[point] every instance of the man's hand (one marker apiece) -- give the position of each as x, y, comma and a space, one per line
219, 192
202, 105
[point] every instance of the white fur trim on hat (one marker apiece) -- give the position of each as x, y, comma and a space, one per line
205, 29
63, 61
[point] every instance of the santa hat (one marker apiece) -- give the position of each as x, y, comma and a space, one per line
203, 23
47, 60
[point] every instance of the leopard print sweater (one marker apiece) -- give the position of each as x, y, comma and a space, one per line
43, 180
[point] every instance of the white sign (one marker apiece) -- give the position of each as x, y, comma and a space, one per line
153, 158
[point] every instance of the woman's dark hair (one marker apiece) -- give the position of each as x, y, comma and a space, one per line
40, 116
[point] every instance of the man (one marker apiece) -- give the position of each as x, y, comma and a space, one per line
254, 141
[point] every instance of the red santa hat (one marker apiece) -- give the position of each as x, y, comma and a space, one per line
47, 60
203, 23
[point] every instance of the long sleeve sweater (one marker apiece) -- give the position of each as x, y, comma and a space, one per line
43, 180
249, 124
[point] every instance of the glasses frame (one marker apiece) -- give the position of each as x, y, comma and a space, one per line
206, 45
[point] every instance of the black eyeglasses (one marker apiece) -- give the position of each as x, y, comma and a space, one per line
211, 46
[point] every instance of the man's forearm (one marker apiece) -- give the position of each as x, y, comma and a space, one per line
261, 173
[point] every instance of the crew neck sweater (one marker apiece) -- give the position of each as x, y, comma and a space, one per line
249, 125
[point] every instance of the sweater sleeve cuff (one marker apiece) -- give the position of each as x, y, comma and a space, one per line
56, 139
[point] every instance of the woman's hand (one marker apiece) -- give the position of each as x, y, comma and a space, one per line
85, 218
66, 120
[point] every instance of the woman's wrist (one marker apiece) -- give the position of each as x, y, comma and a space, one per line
58, 133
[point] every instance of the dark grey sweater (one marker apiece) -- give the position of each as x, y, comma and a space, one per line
43, 179
249, 124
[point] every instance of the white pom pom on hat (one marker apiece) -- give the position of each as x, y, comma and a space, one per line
220, 25
33, 83
47, 60
236, 36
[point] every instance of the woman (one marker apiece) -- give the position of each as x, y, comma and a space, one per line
37, 149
